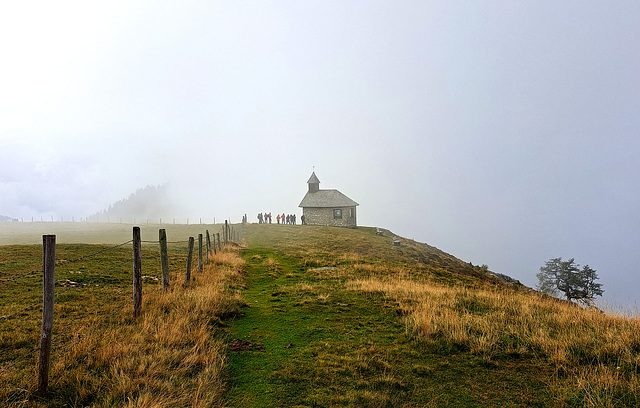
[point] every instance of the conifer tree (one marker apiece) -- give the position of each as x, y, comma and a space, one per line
567, 279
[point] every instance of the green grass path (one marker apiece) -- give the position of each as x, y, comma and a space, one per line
317, 344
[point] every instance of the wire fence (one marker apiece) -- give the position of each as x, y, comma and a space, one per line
108, 290
93, 254
15, 278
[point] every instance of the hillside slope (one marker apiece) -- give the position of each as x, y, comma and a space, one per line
340, 317
330, 244
308, 317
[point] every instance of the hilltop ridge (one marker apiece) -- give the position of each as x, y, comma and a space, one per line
366, 242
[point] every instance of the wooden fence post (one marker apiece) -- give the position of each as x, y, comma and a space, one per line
208, 246
137, 272
187, 277
48, 296
219, 246
200, 253
164, 259
214, 244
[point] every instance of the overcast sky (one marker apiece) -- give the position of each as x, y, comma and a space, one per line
503, 132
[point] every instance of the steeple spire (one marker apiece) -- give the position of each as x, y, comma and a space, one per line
314, 183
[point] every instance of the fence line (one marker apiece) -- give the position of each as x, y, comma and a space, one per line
19, 276
24, 388
20, 359
81, 318
80, 338
94, 277
90, 332
94, 254
20, 311
62, 336
160, 289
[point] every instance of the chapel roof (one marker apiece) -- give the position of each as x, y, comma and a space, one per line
326, 198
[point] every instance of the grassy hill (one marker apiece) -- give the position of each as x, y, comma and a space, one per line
326, 317
373, 324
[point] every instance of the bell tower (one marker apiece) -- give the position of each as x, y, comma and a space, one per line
314, 183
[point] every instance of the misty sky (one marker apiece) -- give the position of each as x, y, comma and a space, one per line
503, 132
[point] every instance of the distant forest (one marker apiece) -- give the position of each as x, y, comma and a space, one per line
150, 203
4, 218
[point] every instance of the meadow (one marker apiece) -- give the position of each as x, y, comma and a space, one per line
314, 317
25, 233
101, 355
465, 337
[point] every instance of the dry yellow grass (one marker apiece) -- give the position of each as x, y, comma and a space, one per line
599, 351
168, 357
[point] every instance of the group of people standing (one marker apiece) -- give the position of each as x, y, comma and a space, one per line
265, 218
290, 219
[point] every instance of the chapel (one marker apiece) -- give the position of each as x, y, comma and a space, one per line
327, 207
